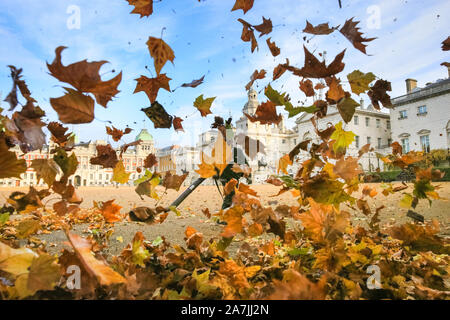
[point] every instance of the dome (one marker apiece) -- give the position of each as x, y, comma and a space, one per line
144, 135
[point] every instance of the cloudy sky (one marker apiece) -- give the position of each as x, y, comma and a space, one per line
205, 36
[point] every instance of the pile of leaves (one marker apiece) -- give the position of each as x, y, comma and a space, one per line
323, 256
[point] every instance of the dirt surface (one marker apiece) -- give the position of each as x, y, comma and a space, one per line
208, 197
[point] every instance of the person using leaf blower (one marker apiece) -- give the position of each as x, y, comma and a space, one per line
237, 157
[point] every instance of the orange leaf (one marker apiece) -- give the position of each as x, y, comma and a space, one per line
111, 211
98, 269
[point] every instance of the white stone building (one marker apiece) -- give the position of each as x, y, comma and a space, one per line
370, 126
421, 118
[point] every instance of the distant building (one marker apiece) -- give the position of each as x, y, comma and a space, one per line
370, 126
421, 118
87, 174
166, 159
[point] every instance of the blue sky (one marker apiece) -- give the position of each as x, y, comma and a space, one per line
205, 37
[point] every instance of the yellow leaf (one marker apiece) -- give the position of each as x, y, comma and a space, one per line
119, 173
15, 261
283, 163
342, 138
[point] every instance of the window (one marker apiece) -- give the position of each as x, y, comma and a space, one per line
403, 115
425, 143
295, 141
378, 123
368, 140
367, 121
389, 142
284, 141
356, 120
379, 143
388, 124
357, 141
422, 110
405, 145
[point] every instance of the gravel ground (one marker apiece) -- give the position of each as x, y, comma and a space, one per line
208, 197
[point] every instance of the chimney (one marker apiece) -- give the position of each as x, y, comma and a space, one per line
410, 85
361, 102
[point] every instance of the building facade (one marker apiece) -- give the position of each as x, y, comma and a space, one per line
87, 174
370, 126
421, 118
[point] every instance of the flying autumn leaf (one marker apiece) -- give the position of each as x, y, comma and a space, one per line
233, 217
378, 93
177, 124
11, 98
322, 28
96, 268
247, 34
142, 7
352, 33
106, 157
278, 71
117, 134
160, 52
119, 173
84, 76
306, 86
314, 68
446, 44
359, 81
245, 5
10, 166
342, 138
110, 211
283, 163
266, 113
44, 273
347, 168
150, 161
173, 181
204, 105
151, 86
255, 76
273, 47
265, 27
206, 170
74, 107
346, 107
158, 115
45, 169
193, 83
335, 91
59, 135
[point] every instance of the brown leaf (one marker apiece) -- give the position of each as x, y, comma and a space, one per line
124, 148
266, 113
278, 71
11, 98
322, 28
446, 44
150, 161
160, 52
74, 107
296, 286
158, 115
377, 93
117, 134
265, 27
335, 91
46, 169
229, 187
255, 76
60, 136
106, 157
245, 5
142, 7
177, 124
307, 87
248, 34
10, 166
273, 47
352, 33
396, 148
347, 168
313, 68
84, 76
173, 181
151, 86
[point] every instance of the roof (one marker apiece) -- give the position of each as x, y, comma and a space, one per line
440, 87
144, 135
